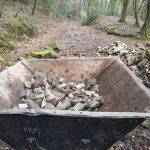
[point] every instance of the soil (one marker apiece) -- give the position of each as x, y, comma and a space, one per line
81, 41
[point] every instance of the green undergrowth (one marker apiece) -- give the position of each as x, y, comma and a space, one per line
20, 28
14, 31
2, 60
91, 17
6, 42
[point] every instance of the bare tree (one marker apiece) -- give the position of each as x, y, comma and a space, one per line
124, 10
19, 8
136, 14
146, 27
1, 8
34, 6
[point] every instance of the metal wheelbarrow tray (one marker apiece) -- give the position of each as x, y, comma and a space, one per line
125, 95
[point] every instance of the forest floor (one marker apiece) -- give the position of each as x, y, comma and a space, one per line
112, 26
72, 36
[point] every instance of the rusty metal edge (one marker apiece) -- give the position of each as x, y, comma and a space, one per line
74, 58
134, 77
86, 114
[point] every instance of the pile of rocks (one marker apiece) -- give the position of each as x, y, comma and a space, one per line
60, 94
113, 49
136, 58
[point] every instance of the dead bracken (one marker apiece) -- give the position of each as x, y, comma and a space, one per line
60, 94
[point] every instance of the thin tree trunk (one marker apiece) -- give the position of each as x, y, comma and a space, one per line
89, 8
33, 10
105, 4
118, 7
146, 27
19, 8
124, 10
111, 7
137, 23
1, 8
139, 10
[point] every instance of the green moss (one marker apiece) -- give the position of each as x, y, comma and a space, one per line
148, 52
8, 64
55, 46
46, 53
20, 58
2, 60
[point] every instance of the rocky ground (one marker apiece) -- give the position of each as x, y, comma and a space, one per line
84, 41
136, 58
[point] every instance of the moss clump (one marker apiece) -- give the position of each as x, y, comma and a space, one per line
148, 52
46, 53
50, 52
6, 44
55, 46
2, 60
8, 64
19, 28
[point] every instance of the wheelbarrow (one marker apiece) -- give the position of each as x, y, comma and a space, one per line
42, 129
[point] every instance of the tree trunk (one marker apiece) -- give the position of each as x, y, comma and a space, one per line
111, 7
146, 27
137, 23
1, 8
139, 11
19, 9
33, 10
89, 8
124, 10
118, 7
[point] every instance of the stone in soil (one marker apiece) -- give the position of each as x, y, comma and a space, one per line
23, 106
38, 90
29, 93
37, 96
27, 84
31, 104
91, 104
78, 107
65, 104
49, 106
38, 82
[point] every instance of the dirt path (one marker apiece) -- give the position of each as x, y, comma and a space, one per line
73, 36
69, 35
